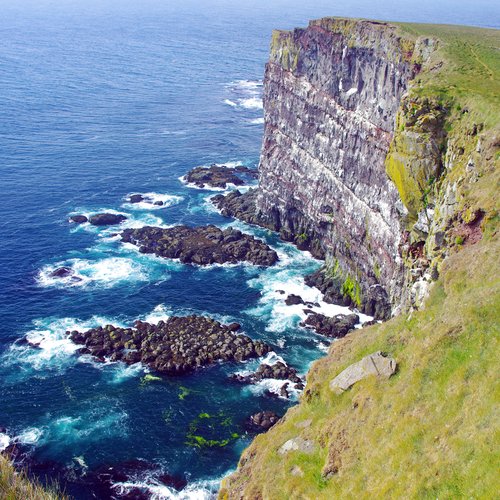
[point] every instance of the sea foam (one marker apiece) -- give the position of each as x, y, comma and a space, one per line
105, 272
150, 199
4, 441
198, 490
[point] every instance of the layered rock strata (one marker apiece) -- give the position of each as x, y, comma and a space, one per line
332, 92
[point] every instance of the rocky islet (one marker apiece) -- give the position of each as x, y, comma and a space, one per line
201, 245
101, 219
176, 346
220, 176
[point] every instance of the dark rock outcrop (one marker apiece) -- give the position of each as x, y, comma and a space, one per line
78, 219
219, 176
278, 371
335, 327
61, 272
135, 198
243, 206
173, 347
262, 421
107, 219
375, 301
293, 300
201, 245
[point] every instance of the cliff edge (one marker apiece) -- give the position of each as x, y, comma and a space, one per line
380, 154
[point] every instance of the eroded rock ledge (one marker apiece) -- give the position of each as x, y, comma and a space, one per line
201, 245
176, 346
219, 176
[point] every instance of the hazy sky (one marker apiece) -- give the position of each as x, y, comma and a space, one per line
478, 12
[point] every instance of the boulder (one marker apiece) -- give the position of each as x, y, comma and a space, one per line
293, 300
377, 364
263, 420
278, 371
78, 219
135, 198
106, 219
297, 444
335, 327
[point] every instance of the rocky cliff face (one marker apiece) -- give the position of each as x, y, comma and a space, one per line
332, 92
381, 153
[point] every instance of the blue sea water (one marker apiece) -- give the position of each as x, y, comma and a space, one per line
100, 100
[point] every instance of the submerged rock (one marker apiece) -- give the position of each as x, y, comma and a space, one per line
106, 219
335, 327
201, 245
136, 474
62, 272
176, 346
374, 364
219, 176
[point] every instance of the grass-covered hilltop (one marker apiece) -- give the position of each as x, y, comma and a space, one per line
431, 429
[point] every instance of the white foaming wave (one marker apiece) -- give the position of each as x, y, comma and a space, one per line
247, 85
274, 386
150, 199
105, 272
30, 435
49, 349
137, 221
257, 121
159, 313
199, 490
251, 103
251, 365
4, 441
120, 372
230, 103
271, 358
285, 278
282, 316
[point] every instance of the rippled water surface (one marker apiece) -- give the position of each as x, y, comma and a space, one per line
99, 101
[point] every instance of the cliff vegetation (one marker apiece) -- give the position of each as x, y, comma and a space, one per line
430, 430
15, 485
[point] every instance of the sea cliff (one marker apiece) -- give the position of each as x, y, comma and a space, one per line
380, 155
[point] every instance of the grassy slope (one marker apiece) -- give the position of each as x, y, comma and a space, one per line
431, 431
15, 485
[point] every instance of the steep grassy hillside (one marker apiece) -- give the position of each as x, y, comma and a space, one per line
431, 430
15, 485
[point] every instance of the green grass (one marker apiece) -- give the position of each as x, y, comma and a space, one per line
472, 67
15, 485
431, 430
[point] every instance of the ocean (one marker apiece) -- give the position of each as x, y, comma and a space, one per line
100, 100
